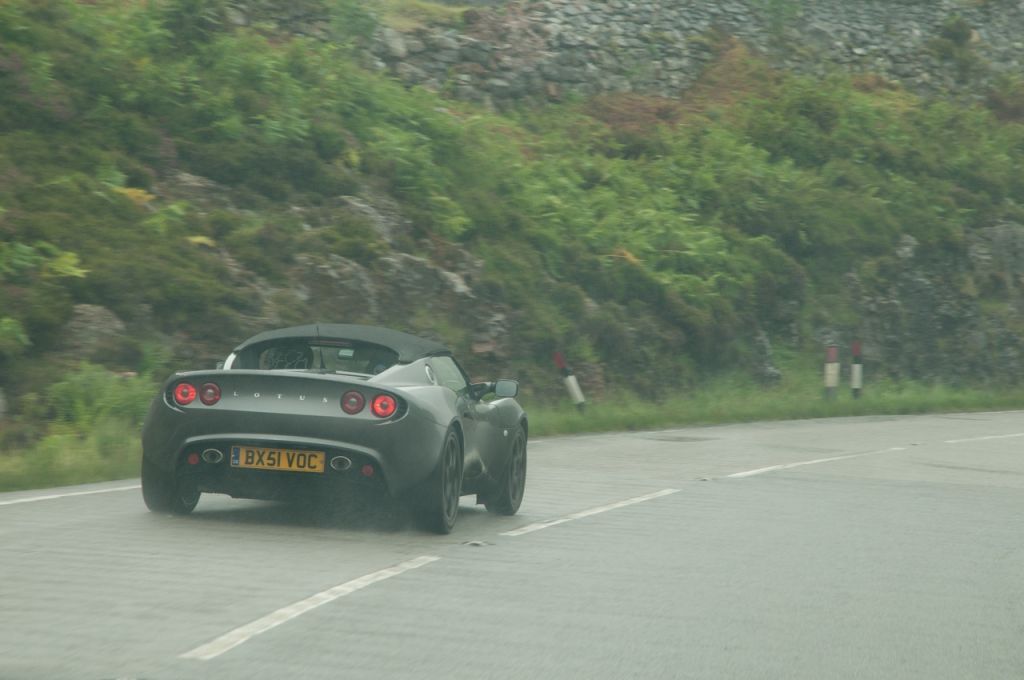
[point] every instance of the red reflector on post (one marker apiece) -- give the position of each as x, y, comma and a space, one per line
383, 405
184, 394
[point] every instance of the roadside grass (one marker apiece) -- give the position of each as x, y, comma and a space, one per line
732, 401
111, 448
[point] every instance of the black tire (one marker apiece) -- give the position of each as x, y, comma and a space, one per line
440, 493
507, 495
165, 493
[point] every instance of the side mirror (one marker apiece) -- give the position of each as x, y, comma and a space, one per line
481, 390
506, 388
220, 365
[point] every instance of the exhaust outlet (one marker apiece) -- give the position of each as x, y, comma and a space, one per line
212, 456
340, 463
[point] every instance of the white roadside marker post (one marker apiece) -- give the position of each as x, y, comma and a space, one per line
856, 371
831, 371
571, 384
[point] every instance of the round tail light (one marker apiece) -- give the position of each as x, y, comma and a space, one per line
352, 402
209, 394
184, 394
383, 405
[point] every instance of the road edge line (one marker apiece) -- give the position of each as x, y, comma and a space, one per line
54, 496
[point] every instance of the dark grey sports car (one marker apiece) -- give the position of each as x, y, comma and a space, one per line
323, 410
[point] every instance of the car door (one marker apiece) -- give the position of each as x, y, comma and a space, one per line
491, 441
449, 375
476, 421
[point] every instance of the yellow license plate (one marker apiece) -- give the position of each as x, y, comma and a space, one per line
277, 459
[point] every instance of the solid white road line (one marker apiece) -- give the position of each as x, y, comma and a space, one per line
587, 513
786, 466
981, 439
237, 636
50, 497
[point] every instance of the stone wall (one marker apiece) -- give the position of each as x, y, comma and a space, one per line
548, 48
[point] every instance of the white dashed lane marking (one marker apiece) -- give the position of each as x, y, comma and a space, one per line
240, 635
587, 513
981, 439
786, 466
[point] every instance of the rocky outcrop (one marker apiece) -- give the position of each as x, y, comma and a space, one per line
924, 319
399, 287
94, 333
548, 48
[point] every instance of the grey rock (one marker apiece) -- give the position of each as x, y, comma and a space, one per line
383, 214
468, 93
456, 283
92, 332
414, 45
236, 17
443, 42
394, 44
408, 73
342, 288
907, 248
498, 86
416, 277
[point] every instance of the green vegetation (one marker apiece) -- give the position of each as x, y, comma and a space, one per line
954, 44
740, 400
109, 448
92, 419
648, 241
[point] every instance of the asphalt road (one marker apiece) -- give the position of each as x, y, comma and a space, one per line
849, 548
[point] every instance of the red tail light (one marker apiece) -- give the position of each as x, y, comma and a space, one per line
383, 405
209, 394
352, 402
184, 394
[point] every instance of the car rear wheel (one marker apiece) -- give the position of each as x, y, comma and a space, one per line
507, 495
163, 492
439, 497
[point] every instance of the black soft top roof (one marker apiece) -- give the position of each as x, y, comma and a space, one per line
409, 347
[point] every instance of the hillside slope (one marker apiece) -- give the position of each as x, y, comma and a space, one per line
172, 180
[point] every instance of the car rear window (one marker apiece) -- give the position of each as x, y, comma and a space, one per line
338, 356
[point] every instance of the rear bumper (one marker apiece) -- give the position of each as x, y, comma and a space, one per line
401, 452
362, 467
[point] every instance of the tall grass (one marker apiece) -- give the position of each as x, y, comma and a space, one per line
92, 421
110, 450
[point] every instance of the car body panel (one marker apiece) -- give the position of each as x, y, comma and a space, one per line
301, 410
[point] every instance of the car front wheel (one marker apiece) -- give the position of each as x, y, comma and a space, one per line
507, 495
163, 492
